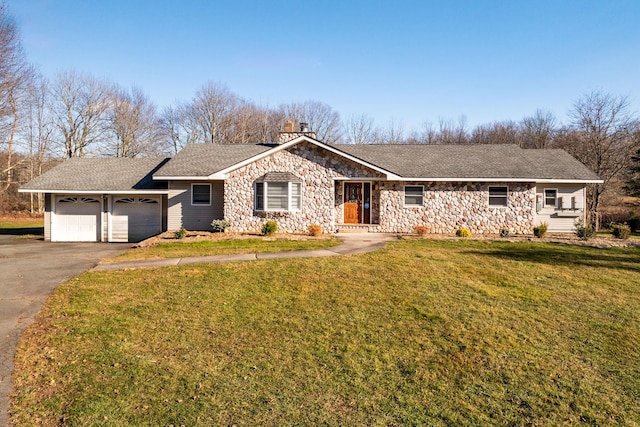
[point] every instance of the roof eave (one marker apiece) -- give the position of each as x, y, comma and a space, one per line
58, 191
503, 179
182, 178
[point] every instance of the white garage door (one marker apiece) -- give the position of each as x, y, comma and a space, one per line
76, 219
135, 218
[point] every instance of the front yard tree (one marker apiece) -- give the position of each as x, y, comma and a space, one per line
603, 139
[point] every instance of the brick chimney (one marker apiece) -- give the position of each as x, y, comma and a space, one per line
290, 134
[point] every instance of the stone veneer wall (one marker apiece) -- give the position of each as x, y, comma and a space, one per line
449, 206
316, 167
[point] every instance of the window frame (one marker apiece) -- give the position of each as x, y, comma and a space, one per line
408, 205
264, 197
505, 196
544, 198
193, 202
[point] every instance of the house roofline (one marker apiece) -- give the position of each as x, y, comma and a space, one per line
28, 190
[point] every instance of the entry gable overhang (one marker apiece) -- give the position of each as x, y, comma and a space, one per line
222, 174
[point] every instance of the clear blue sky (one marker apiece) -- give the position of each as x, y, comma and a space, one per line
408, 60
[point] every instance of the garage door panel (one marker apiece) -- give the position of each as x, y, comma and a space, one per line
77, 219
136, 218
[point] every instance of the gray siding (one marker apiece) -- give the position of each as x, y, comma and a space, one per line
181, 213
556, 223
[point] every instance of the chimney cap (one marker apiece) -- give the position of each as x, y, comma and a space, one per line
304, 127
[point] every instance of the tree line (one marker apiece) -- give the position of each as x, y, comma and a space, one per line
74, 114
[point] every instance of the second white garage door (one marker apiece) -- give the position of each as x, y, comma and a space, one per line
135, 218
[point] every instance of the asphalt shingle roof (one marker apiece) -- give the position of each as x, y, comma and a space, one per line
100, 174
471, 161
202, 160
408, 161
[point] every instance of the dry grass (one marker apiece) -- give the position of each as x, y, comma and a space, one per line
423, 332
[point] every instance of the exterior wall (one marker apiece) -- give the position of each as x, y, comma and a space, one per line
316, 168
180, 212
560, 221
449, 206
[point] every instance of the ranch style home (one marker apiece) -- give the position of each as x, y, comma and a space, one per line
302, 181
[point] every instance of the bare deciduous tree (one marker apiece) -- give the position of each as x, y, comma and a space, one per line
37, 133
453, 133
134, 124
393, 133
15, 74
212, 111
505, 132
538, 131
360, 129
603, 139
80, 104
321, 118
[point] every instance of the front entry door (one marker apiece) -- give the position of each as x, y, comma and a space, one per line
352, 202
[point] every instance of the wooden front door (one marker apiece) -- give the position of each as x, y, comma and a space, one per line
352, 202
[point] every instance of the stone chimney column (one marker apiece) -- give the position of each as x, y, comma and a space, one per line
290, 134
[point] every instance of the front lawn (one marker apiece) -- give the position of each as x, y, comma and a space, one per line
231, 246
423, 332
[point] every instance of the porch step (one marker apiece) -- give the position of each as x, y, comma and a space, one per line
354, 228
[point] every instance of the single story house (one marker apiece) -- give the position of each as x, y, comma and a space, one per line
302, 181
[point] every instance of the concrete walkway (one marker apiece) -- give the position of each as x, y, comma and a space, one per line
352, 243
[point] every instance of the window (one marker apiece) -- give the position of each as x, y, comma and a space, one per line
278, 196
201, 194
498, 196
413, 195
550, 198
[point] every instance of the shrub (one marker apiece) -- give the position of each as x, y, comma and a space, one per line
219, 225
421, 230
269, 228
584, 232
463, 232
540, 230
180, 234
504, 232
620, 231
314, 230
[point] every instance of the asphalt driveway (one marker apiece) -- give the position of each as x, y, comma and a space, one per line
29, 271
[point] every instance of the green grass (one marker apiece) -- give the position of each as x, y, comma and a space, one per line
420, 333
10, 223
223, 247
